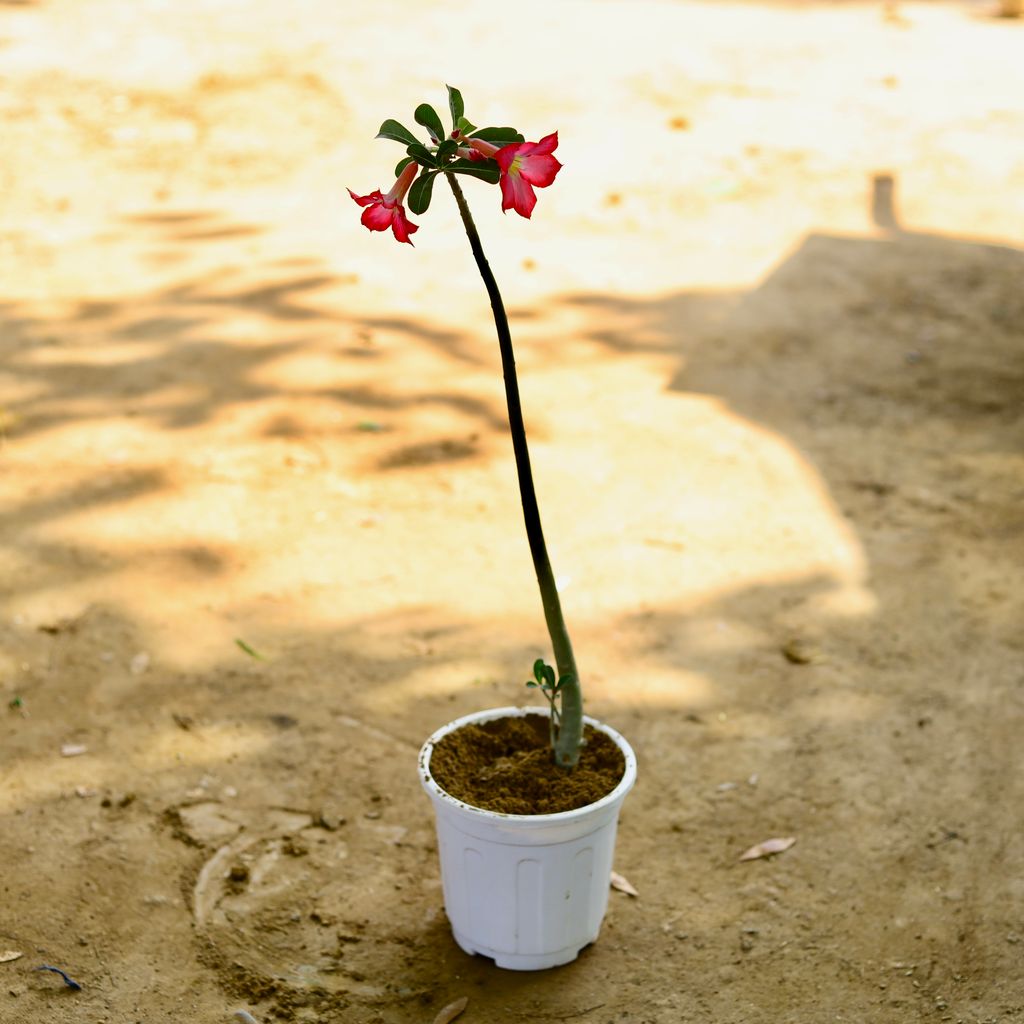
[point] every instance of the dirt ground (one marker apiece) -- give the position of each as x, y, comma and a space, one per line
769, 322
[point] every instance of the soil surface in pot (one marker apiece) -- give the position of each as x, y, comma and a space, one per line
506, 766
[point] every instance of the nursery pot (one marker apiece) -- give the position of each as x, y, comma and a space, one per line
528, 890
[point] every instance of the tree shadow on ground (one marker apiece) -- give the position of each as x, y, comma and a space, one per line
894, 366
901, 388
181, 355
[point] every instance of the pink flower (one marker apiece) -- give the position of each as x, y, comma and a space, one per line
383, 212
524, 166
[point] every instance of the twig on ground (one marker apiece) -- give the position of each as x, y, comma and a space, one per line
70, 982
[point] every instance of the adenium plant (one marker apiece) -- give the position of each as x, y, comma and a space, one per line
502, 157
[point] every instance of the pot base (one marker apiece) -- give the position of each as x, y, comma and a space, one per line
523, 961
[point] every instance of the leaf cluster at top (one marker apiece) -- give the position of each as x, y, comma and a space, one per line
441, 155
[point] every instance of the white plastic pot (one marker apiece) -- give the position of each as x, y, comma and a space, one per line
528, 890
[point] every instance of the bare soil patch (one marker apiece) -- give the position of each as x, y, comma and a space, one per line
262, 536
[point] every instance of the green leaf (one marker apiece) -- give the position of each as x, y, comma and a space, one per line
465, 126
538, 670
402, 164
549, 677
419, 194
248, 650
421, 155
529, 682
487, 171
498, 136
455, 105
446, 149
398, 133
426, 115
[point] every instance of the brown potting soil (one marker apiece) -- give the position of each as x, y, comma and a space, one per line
506, 765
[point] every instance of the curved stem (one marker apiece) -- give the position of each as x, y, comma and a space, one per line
570, 733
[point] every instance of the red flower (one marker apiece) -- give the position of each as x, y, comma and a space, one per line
383, 212
524, 166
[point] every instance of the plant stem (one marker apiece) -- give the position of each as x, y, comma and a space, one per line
570, 733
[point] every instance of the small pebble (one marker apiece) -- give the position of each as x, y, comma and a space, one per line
799, 652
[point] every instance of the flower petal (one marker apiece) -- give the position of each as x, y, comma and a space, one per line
378, 217
373, 197
539, 170
401, 186
485, 149
402, 226
546, 145
508, 153
517, 194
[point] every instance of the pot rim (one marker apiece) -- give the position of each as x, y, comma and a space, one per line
616, 795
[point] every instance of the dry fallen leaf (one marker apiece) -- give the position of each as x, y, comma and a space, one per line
768, 848
7, 955
623, 884
451, 1011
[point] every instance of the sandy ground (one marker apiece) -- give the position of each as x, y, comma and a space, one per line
769, 325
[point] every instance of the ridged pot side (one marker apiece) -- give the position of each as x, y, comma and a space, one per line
528, 890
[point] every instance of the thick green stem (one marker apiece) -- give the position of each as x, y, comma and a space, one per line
570, 733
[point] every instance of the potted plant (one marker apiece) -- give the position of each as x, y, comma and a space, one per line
526, 799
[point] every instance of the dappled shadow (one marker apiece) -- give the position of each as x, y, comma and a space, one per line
475, 410
893, 366
116, 405
182, 355
631, 326
44, 563
922, 323
192, 226
259, 539
452, 343
429, 453
901, 393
